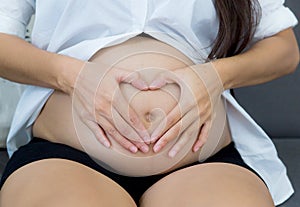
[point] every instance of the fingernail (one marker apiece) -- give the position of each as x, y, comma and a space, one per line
133, 149
155, 84
156, 148
147, 140
106, 144
152, 138
172, 153
145, 149
197, 147
141, 85
144, 85
144, 88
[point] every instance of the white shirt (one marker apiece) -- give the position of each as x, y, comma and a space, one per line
80, 28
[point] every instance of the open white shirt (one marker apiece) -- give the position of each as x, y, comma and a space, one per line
80, 28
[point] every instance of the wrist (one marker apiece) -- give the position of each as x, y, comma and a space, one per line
224, 68
67, 70
211, 80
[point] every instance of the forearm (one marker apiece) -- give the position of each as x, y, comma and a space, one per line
268, 59
22, 62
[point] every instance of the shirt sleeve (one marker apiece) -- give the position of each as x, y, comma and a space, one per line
15, 16
275, 17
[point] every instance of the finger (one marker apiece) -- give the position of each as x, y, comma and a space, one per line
167, 137
190, 133
132, 78
175, 130
111, 131
158, 83
168, 122
129, 115
202, 139
186, 103
111, 96
123, 127
172, 118
98, 132
163, 79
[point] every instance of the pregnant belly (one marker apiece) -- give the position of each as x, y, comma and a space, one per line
149, 56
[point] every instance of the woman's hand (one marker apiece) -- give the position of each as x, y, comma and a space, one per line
201, 88
98, 102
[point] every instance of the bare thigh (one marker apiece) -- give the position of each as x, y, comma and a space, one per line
213, 185
58, 182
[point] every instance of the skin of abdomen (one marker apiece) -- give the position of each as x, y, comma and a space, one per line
148, 56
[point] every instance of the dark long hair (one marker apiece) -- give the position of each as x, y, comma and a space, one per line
237, 22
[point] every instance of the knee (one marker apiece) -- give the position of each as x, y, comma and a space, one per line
68, 196
79, 199
211, 185
61, 183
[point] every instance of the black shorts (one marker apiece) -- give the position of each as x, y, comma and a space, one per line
39, 149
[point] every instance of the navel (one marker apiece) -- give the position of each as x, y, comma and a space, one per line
149, 117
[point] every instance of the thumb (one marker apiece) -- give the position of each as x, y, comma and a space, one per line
163, 79
132, 78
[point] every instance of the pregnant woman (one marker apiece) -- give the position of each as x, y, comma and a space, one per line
151, 106
148, 120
